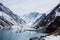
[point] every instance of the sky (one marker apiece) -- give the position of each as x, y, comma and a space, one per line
21, 7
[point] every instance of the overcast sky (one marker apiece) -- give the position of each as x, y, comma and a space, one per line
26, 6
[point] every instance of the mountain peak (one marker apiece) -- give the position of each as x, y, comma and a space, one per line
30, 17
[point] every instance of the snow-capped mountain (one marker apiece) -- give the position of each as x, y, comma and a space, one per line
15, 22
8, 18
38, 20
31, 17
49, 23
41, 17
30, 21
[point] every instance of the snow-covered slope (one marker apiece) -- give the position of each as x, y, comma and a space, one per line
31, 17
52, 37
35, 24
7, 15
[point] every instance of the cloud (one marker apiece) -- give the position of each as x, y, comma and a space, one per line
25, 6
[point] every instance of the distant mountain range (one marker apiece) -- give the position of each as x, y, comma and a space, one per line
9, 20
31, 17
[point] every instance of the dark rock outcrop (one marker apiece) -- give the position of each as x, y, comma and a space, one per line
50, 23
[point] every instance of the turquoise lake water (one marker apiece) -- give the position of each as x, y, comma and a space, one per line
9, 35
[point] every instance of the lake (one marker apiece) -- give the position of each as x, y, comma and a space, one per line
10, 35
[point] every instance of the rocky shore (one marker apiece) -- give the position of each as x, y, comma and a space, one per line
55, 34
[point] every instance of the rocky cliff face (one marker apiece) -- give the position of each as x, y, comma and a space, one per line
50, 21
8, 19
